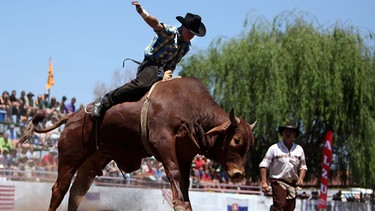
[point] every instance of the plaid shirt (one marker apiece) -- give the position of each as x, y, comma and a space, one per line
167, 47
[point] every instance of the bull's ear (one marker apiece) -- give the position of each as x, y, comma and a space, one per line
219, 129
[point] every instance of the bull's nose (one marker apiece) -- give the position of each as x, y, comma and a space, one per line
236, 175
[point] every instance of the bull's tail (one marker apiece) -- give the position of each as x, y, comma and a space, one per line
39, 117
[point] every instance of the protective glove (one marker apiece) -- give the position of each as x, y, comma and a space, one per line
167, 75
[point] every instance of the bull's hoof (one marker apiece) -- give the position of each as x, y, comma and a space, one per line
179, 208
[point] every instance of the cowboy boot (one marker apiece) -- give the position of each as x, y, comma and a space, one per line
101, 105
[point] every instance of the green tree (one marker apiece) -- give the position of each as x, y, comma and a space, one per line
295, 69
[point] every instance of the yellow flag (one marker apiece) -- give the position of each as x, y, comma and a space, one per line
50, 81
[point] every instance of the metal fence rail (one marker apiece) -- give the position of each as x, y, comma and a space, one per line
47, 176
105, 181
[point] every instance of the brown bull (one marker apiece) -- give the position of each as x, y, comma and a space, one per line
183, 120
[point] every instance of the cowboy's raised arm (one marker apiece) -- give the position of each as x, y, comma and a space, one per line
149, 19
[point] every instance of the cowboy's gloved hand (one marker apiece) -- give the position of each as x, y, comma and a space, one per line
138, 6
167, 75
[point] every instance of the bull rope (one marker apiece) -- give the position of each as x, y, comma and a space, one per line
144, 113
143, 118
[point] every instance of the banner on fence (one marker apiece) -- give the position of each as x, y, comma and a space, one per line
234, 204
326, 165
7, 195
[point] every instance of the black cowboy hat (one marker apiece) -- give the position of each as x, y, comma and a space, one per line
193, 23
289, 125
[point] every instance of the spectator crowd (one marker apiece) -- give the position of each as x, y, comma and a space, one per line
40, 153
13, 107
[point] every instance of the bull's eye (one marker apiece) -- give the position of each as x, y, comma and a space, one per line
236, 141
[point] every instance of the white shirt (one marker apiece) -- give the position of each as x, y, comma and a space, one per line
282, 163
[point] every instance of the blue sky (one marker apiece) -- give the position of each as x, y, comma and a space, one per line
88, 40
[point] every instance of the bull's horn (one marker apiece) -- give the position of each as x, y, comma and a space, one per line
233, 119
253, 125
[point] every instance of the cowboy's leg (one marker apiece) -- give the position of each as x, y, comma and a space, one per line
130, 91
291, 198
278, 196
138, 87
290, 204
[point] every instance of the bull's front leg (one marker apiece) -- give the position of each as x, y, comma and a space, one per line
185, 183
179, 179
176, 165
173, 173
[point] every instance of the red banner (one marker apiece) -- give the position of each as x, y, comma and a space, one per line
326, 165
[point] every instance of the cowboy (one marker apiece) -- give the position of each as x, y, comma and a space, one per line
286, 163
160, 58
